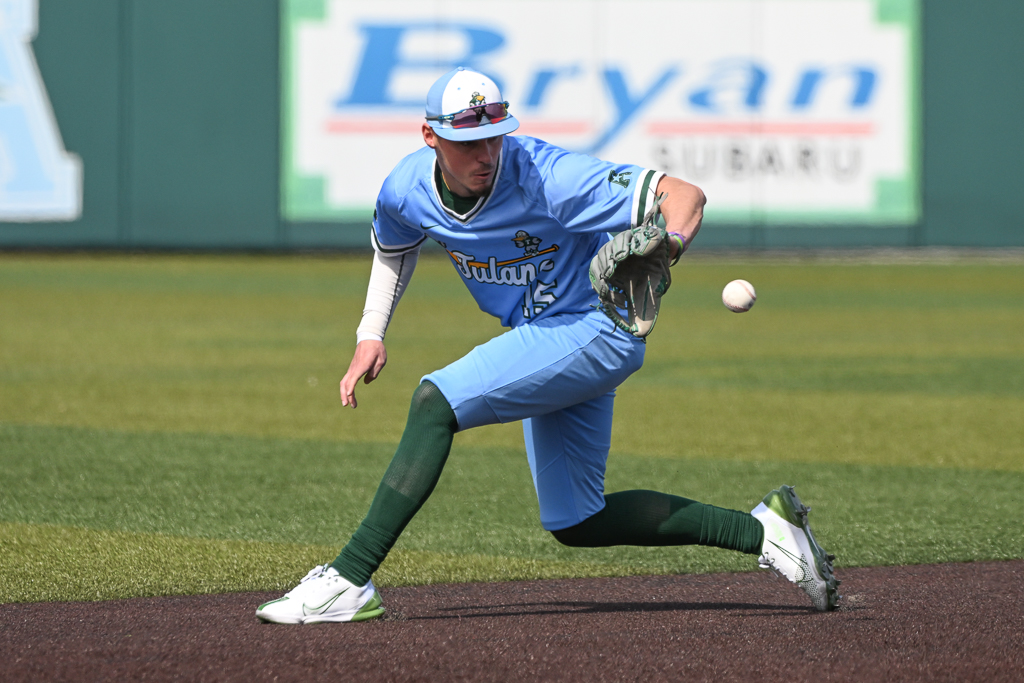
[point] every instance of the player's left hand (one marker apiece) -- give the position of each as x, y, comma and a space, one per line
683, 210
367, 362
632, 272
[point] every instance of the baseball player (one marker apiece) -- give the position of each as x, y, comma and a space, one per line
524, 223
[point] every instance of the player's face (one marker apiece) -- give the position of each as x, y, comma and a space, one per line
468, 167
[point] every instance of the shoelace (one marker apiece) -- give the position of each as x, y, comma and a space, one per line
315, 572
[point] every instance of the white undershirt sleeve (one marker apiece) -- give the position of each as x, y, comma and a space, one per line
389, 277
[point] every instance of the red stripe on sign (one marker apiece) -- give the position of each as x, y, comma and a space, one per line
553, 127
374, 126
758, 128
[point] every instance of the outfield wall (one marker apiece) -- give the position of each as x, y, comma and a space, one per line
170, 114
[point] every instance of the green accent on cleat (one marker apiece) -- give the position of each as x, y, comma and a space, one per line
271, 603
370, 610
785, 503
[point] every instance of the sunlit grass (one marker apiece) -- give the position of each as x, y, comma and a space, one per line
187, 407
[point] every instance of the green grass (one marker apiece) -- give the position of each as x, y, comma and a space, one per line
171, 424
47, 562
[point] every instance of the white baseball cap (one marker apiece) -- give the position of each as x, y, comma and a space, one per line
474, 96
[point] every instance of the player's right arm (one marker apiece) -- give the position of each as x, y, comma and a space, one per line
396, 240
368, 360
389, 277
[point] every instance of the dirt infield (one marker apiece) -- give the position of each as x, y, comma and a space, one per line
957, 622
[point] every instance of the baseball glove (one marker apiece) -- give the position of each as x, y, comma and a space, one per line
632, 272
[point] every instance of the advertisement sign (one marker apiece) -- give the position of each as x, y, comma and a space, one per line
782, 111
39, 180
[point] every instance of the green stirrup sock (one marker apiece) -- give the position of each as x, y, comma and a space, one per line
652, 518
407, 484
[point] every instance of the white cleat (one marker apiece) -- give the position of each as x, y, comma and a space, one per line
790, 549
323, 596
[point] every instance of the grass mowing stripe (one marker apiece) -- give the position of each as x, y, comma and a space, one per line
256, 346
812, 427
997, 376
315, 493
41, 562
46, 562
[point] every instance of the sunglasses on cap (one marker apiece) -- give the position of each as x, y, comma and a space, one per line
473, 116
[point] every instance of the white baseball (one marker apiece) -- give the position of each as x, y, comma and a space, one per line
738, 296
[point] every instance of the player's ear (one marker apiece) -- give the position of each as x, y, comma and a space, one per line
429, 137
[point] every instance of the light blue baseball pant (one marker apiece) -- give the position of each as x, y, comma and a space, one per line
558, 375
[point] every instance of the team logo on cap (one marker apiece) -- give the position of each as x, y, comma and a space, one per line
477, 100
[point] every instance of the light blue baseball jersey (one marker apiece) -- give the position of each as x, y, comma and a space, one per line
524, 251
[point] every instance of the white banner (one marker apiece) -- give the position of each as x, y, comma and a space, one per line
783, 111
